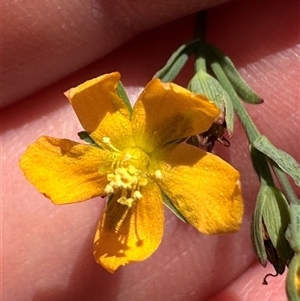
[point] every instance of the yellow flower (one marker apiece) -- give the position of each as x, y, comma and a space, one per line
297, 280
138, 157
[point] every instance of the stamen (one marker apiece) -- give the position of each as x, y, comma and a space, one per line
106, 140
127, 157
126, 201
137, 195
127, 173
108, 189
158, 174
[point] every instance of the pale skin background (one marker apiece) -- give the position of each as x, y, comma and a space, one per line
47, 249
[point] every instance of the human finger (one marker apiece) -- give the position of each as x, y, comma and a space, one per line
56, 252
43, 41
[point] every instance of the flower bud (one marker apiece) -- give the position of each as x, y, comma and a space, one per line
270, 221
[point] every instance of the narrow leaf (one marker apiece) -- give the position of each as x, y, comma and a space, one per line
276, 217
87, 138
240, 86
257, 230
286, 162
176, 62
173, 71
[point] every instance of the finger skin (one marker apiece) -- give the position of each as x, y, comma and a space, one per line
249, 287
47, 249
43, 41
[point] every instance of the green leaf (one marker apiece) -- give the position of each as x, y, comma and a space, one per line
122, 93
276, 216
240, 86
170, 205
176, 62
257, 229
286, 162
269, 223
87, 138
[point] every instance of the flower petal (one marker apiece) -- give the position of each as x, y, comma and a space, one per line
63, 170
125, 235
204, 188
166, 112
101, 111
297, 281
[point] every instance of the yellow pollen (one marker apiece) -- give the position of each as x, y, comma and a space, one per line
106, 140
158, 174
108, 189
137, 195
126, 201
126, 174
127, 157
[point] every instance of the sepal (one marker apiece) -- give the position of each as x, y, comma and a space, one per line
270, 221
83, 135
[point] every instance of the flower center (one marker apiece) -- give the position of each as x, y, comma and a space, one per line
127, 173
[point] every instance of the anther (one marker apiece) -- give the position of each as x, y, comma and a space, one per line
158, 174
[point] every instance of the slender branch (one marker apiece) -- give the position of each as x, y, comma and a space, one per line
249, 126
200, 28
251, 130
200, 32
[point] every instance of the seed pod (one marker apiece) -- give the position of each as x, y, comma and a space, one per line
270, 221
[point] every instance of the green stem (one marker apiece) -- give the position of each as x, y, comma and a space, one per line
250, 128
200, 28
200, 61
200, 52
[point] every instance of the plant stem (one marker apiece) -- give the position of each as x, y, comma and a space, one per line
200, 52
250, 128
200, 61
200, 28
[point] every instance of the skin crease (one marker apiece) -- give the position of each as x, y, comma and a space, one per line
62, 36
47, 249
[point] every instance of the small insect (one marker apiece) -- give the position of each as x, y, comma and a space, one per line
208, 139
